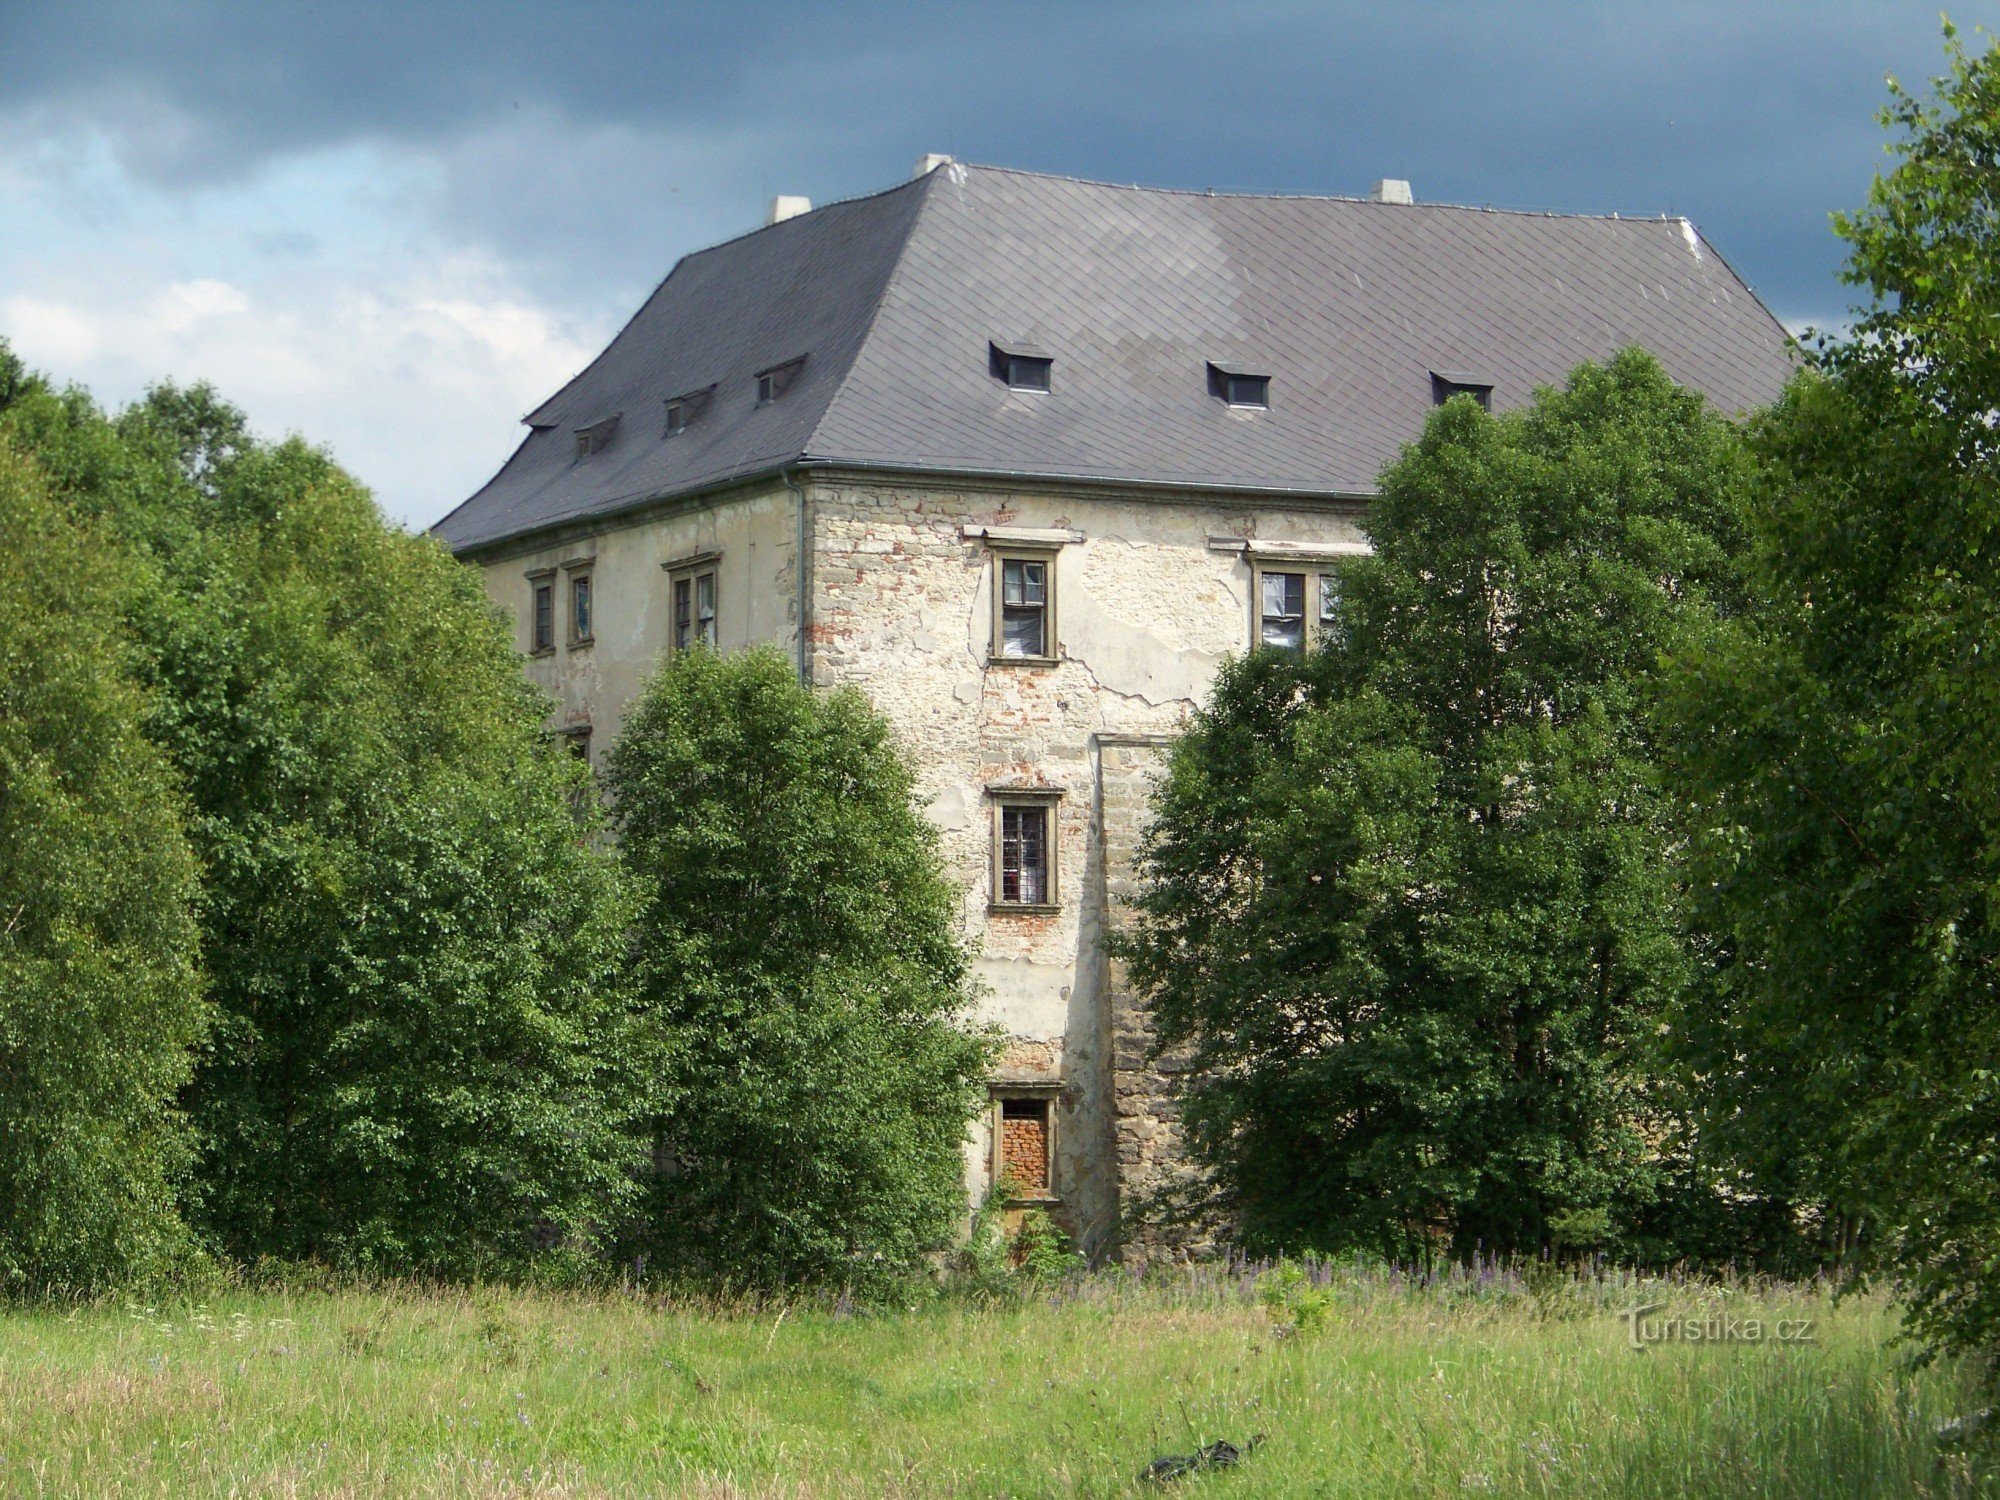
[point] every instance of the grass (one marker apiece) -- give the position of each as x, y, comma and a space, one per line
1361, 1385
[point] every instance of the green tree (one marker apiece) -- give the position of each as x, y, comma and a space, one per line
799, 977
409, 926
100, 1000
1840, 746
1407, 903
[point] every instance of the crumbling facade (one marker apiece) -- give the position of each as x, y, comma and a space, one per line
1030, 509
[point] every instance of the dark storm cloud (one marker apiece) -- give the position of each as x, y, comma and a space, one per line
593, 142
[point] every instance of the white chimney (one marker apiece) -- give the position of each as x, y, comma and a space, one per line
1391, 190
930, 162
784, 207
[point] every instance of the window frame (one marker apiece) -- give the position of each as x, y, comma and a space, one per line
1048, 1096
1001, 554
1047, 801
581, 571
1006, 364
1222, 384
774, 380
540, 579
688, 573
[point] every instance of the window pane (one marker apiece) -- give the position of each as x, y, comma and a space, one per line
704, 608
683, 612
676, 417
1023, 581
1021, 632
1028, 374
1284, 615
1329, 598
579, 607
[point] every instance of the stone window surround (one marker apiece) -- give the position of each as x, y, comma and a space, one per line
692, 568
1006, 544
1049, 798
539, 579
1047, 1094
580, 568
1309, 558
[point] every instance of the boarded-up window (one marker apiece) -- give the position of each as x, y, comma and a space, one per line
1024, 1144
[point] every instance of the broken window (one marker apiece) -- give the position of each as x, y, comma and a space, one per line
1284, 611
1329, 603
1025, 1141
1025, 874
579, 607
1024, 606
694, 603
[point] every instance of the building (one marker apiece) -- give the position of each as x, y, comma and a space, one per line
1026, 458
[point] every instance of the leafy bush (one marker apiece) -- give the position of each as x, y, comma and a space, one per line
801, 984
100, 1000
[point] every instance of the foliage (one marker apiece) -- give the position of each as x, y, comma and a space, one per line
410, 937
100, 999
799, 977
1841, 746
1408, 910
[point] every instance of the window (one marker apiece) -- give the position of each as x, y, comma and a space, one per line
542, 611
580, 600
1024, 863
1283, 596
577, 742
1448, 383
595, 437
1023, 626
1021, 369
682, 411
1283, 622
1025, 1146
774, 382
1239, 387
692, 591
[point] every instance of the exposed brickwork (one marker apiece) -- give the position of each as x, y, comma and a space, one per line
1024, 1150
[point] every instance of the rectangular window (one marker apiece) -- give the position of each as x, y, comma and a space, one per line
1284, 611
1329, 603
579, 609
1025, 1139
1024, 855
677, 418
693, 593
1020, 370
1024, 606
542, 635
1024, 612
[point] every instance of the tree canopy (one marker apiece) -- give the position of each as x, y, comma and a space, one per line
1839, 747
1408, 906
799, 979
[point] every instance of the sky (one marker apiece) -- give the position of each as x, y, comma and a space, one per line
396, 227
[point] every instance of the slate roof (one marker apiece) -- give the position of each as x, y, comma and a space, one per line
1350, 306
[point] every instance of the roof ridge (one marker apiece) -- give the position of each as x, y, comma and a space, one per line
1471, 208
875, 308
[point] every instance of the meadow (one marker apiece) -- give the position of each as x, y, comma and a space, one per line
1353, 1384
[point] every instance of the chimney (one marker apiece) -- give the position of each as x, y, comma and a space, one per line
1391, 190
784, 207
930, 162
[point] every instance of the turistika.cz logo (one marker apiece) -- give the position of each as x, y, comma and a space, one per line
1648, 1325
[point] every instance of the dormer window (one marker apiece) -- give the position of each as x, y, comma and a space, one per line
1448, 383
1239, 387
1021, 368
774, 382
596, 436
683, 410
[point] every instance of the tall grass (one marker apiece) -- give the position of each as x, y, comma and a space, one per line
1359, 1381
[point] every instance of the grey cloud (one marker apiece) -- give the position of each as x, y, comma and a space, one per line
592, 143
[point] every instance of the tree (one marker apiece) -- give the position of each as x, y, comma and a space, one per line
1407, 902
410, 929
101, 1003
1841, 744
799, 976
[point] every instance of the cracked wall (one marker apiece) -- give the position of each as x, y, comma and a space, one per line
1146, 612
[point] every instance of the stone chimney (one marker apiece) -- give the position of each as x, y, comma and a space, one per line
784, 207
1391, 190
929, 162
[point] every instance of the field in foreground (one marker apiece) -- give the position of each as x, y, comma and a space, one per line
1478, 1387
